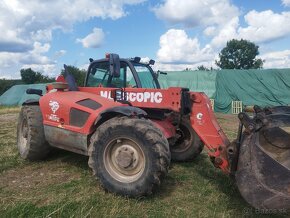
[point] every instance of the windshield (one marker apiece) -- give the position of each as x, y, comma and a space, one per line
145, 76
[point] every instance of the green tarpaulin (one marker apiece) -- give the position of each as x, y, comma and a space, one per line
198, 81
252, 87
16, 95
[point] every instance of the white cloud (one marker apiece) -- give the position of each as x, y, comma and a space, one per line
276, 59
286, 3
145, 60
34, 59
261, 27
36, 19
226, 33
47, 69
177, 47
23, 23
220, 21
60, 53
195, 12
94, 39
180, 67
265, 26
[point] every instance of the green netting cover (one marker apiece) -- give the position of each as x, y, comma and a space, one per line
16, 95
198, 81
252, 87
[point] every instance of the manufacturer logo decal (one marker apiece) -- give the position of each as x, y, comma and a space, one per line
153, 97
53, 117
54, 106
199, 116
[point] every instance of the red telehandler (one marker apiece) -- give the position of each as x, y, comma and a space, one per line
131, 129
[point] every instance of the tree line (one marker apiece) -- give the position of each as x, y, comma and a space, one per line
29, 76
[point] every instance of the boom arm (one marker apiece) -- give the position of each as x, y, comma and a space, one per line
204, 122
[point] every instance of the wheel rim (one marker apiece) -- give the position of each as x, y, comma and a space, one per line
124, 160
23, 135
184, 141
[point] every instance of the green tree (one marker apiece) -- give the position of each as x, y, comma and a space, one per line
6, 84
77, 73
239, 54
204, 68
30, 76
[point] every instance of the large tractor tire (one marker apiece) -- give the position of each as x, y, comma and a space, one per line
188, 146
31, 141
129, 156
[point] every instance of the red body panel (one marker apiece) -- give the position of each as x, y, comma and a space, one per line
145, 98
166, 127
64, 102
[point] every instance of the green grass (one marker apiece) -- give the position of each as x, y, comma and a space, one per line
62, 186
8, 110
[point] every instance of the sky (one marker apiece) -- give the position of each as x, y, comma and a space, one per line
177, 34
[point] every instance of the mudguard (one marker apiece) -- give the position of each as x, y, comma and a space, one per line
31, 102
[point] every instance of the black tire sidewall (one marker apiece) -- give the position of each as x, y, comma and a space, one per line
149, 156
23, 116
36, 147
153, 169
195, 148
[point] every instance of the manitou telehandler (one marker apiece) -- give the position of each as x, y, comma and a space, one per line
130, 129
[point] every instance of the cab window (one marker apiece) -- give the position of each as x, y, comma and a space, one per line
99, 75
146, 77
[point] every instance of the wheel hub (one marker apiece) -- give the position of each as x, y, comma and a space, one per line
124, 160
126, 157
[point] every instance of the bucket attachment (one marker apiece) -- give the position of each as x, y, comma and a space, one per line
263, 170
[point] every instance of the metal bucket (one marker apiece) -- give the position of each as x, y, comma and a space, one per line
263, 171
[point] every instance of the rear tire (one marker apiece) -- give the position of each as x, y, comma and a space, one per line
129, 156
31, 141
188, 146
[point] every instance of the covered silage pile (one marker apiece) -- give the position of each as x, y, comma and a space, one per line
252, 87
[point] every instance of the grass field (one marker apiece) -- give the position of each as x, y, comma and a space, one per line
62, 186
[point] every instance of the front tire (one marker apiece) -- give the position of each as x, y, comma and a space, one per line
31, 141
188, 146
129, 156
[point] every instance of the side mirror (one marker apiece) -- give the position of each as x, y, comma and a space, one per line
34, 91
160, 72
114, 65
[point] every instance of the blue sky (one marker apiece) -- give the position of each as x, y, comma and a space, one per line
178, 34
